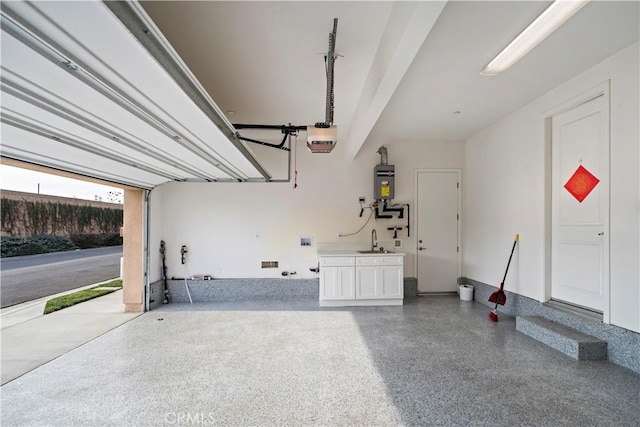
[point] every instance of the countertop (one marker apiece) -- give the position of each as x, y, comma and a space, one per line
353, 252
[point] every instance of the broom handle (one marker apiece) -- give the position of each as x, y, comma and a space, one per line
515, 241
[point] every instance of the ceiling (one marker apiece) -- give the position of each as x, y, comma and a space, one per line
404, 68
87, 92
445, 76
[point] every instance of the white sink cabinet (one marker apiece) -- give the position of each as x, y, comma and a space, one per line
350, 279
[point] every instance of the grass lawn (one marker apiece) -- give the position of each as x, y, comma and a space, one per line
65, 301
112, 284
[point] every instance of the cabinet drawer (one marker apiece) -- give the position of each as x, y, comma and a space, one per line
391, 260
379, 260
337, 261
368, 260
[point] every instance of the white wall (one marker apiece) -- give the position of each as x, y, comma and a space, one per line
230, 228
504, 190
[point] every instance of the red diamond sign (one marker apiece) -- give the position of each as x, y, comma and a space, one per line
581, 183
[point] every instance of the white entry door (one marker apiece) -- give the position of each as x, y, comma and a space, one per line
580, 205
438, 230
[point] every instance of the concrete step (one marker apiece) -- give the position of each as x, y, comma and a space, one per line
573, 343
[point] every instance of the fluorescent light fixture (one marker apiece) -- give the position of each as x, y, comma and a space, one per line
553, 17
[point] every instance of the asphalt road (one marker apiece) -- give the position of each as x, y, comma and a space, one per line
31, 277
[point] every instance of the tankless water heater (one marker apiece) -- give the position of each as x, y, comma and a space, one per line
384, 182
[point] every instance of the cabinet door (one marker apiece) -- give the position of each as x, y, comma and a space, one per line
346, 283
368, 282
329, 283
392, 281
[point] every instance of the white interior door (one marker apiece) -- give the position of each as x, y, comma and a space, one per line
438, 259
580, 205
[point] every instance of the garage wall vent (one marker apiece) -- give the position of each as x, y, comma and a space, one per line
269, 264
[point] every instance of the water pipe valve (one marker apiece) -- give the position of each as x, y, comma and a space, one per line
183, 254
395, 231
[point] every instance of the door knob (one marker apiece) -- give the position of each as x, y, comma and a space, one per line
601, 234
420, 248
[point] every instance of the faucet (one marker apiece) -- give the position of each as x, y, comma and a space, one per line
374, 239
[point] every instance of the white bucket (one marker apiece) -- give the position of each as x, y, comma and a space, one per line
466, 293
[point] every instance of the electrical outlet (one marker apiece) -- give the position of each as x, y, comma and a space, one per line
397, 243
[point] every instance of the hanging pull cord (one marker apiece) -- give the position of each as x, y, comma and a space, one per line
295, 161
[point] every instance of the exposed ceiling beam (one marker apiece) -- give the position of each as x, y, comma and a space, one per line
409, 25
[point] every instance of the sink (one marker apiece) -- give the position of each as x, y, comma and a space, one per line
374, 252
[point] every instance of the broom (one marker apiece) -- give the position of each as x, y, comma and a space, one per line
499, 296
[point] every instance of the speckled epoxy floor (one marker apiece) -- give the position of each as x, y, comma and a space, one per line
434, 361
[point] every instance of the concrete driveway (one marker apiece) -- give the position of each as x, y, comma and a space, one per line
30, 339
